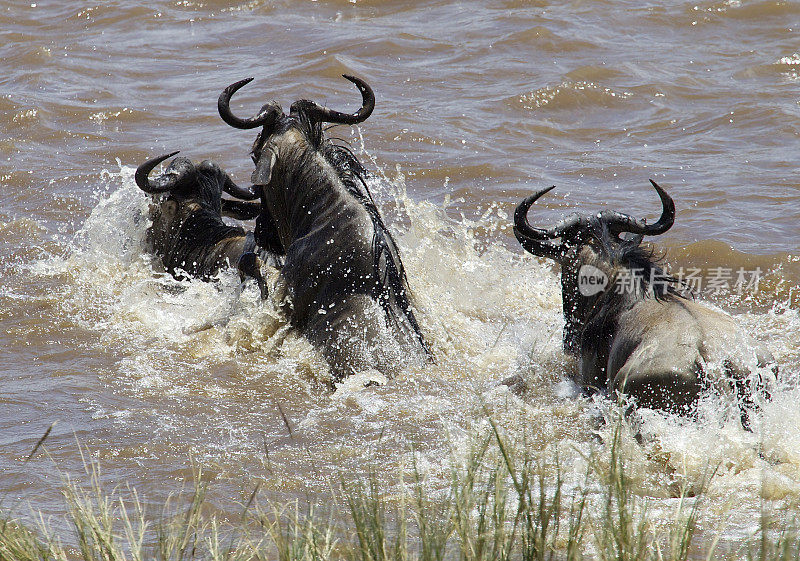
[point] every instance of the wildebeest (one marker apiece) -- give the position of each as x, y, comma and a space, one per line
342, 282
188, 233
632, 327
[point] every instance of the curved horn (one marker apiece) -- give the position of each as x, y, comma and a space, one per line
667, 213
163, 183
326, 115
563, 228
224, 108
540, 248
521, 217
619, 222
534, 240
243, 193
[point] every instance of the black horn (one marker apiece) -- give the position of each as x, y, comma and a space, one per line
165, 181
540, 248
619, 222
326, 115
264, 116
521, 217
243, 193
535, 240
567, 226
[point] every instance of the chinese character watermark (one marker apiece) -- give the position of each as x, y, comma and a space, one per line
714, 281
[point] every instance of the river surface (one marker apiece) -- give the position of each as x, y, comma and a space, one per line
478, 103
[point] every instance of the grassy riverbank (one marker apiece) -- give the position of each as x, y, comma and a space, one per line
501, 502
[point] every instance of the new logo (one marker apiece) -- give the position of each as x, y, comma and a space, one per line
591, 280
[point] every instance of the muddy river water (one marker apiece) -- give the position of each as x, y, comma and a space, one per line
478, 103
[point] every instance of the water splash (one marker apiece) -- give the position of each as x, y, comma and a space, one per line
208, 365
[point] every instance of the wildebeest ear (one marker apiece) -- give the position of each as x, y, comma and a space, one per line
263, 172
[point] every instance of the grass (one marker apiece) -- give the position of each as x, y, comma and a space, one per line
501, 502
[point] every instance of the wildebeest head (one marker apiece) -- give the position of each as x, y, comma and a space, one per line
596, 259
187, 221
183, 180
301, 174
304, 116
188, 187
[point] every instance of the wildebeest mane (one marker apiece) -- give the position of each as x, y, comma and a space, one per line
651, 278
387, 265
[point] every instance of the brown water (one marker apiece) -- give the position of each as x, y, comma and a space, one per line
478, 103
